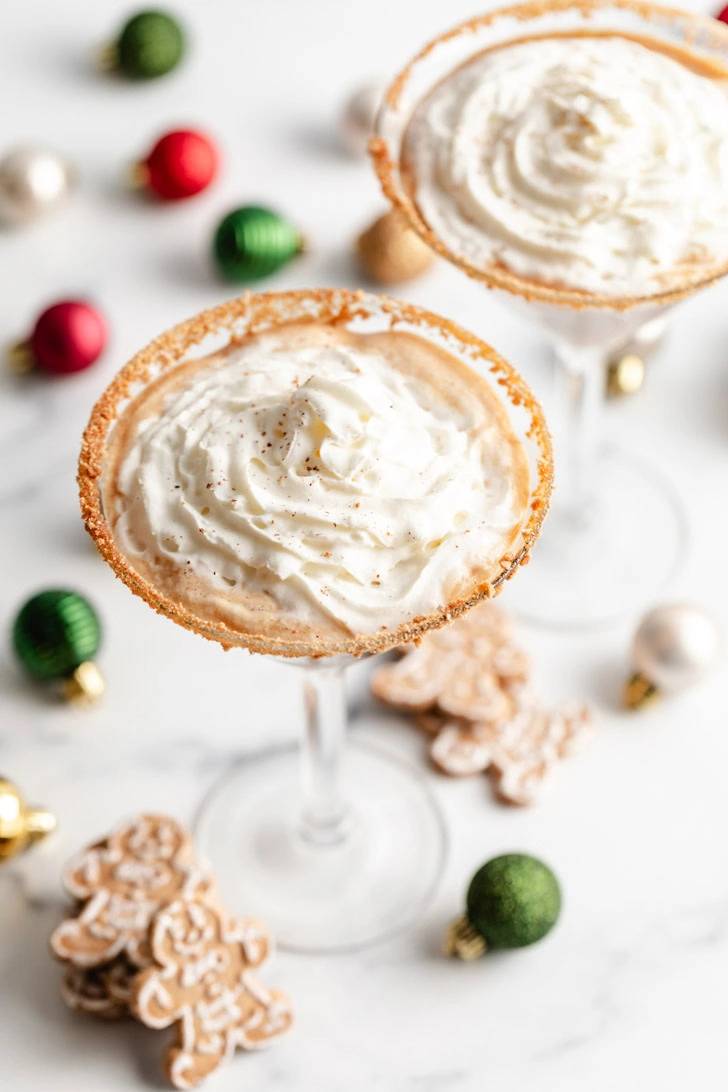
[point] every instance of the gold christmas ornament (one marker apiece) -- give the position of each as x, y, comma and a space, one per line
20, 825
390, 252
675, 646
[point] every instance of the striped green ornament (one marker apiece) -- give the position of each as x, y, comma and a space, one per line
253, 242
54, 633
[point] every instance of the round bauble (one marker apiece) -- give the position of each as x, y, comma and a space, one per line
33, 182
512, 901
55, 637
182, 163
675, 646
19, 824
254, 242
67, 337
150, 44
390, 252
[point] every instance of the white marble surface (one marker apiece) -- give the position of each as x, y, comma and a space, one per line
630, 990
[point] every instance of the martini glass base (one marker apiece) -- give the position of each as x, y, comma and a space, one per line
600, 565
316, 897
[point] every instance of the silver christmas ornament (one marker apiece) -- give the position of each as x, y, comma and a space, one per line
674, 647
356, 123
33, 180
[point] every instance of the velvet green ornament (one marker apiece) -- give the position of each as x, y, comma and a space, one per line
512, 901
253, 242
55, 636
150, 44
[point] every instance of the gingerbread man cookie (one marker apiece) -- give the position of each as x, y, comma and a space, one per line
88, 991
99, 991
122, 882
469, 669
201, 981
520, 755
467, 685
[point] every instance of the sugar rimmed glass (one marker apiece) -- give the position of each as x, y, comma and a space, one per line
341, 844
617, 533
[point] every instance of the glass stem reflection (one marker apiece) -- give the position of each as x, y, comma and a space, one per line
580, 390
325, 818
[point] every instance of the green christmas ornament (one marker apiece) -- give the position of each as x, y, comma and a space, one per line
150, 44
55, 636
512, 901
253, 242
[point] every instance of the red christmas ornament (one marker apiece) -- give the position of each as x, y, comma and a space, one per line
723, 15
181, 164
68, 337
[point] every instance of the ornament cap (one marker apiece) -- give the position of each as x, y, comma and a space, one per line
106, 58
85, 686
640, 693
626, 375
463, 941
20, 357
39, 823
137, 175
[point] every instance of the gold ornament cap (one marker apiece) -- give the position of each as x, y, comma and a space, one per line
85, 686
626, 375
20, 826
137, 175
640, 693
463, 941
20, 357
106, 57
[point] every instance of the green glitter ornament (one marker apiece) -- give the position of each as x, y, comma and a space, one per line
512, 901
253, 242
150, 44
55, 636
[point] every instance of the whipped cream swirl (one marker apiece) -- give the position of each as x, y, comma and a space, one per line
594, 163
325, 477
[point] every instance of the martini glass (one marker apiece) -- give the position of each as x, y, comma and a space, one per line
334, 846
617, 533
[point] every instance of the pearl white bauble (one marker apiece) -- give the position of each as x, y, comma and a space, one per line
356, 124
33, 180
675, 645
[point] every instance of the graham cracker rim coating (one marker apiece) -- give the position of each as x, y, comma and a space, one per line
697, 29
262, 312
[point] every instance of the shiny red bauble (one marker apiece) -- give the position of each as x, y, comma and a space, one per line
723, 15
68, 337
181, 164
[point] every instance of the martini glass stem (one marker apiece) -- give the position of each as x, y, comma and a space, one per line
325, 817
580, 391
